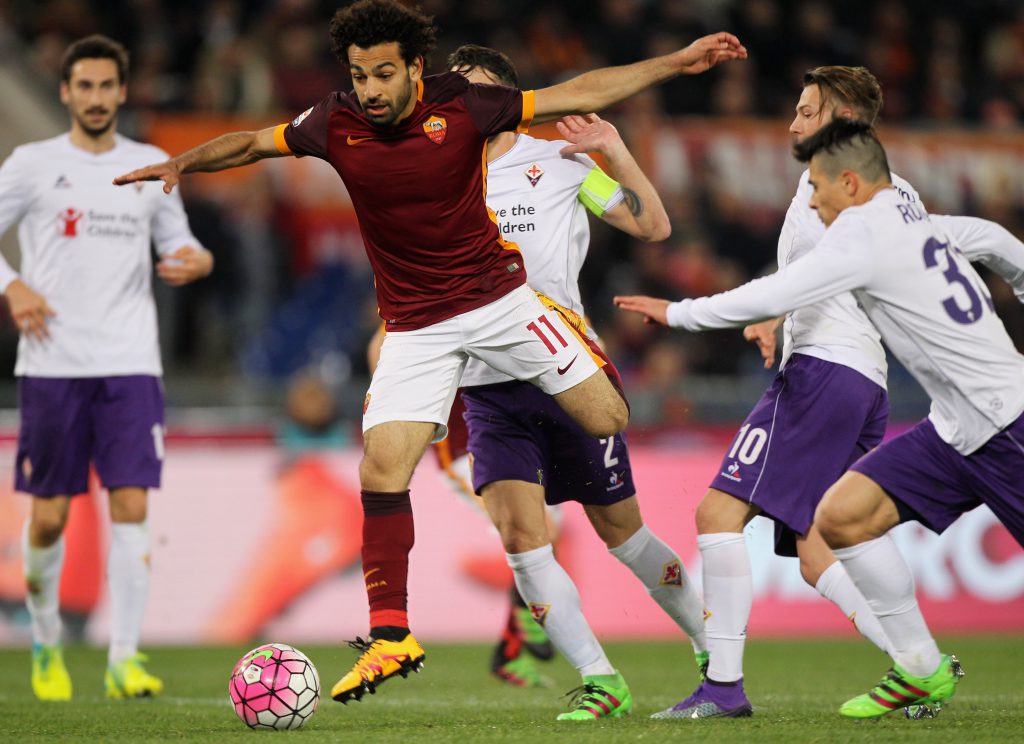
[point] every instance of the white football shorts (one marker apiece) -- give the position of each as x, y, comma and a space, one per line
419, 371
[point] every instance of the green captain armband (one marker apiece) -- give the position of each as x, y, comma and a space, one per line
596, 190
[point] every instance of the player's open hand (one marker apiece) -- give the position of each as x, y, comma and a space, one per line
167, 172
185, 265
29, 310
708, 51
763, 334
588, 133
653, 309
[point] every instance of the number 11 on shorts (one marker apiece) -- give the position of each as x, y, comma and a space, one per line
543, 336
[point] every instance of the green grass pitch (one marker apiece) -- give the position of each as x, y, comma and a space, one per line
795, 687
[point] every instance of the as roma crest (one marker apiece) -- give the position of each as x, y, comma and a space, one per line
436, 128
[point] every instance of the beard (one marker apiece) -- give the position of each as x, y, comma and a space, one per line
394, 108
95, 131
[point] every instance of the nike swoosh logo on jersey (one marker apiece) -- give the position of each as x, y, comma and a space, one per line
563, 370
356, 140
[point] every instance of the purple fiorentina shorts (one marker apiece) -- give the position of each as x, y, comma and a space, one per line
934, 484
518, 432
117, 423
814, 421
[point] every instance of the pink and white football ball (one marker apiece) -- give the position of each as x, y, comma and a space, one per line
274, 687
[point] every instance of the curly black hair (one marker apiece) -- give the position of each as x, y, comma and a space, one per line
367, 23
468, 56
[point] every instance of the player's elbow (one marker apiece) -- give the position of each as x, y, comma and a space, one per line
662, 231
654, 232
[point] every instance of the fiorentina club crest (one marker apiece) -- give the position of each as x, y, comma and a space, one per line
436, 128
672, 574
533, 174
539, 612
366, 402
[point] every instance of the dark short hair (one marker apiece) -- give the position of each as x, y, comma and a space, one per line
367, 23
855, 87
846, 144
469, 56
96, 46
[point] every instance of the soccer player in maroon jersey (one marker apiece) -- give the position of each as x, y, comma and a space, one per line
411, 151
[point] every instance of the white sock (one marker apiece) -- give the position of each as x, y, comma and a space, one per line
664, 575
550, 593
42, 569
128, 578
728, 596
837, 587
885, 580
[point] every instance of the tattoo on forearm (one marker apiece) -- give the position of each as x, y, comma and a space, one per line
636, 207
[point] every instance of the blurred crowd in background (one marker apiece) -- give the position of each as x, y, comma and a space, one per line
943, 64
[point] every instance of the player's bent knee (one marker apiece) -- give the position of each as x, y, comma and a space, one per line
48, 519
835, 526
608, 421
128, 505
518, 536
722, 512
811, 570
45, 531
596, 406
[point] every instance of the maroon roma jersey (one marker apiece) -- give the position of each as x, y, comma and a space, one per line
418, 189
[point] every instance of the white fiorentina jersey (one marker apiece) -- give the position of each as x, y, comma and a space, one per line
85, 247
912, 275
535, 194
835, 330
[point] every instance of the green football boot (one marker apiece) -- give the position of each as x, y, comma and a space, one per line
535, 638
900, 689
600, 696
702, 659
522, 672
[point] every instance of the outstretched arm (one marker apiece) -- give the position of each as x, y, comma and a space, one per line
640, 213
599, 89
227, 151
823, 273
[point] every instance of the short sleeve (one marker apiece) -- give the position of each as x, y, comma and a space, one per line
15, 193
306, 134
497, 108
15, 199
